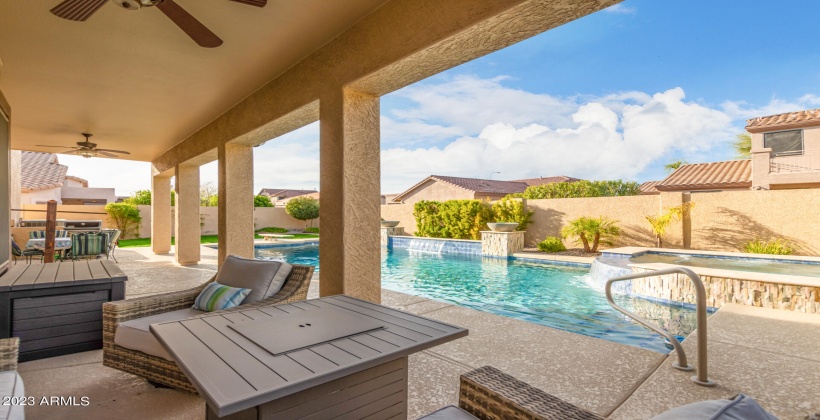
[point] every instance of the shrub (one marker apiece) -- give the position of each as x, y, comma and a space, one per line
597, 230
662, 222
261, 201
126, 216
510, 209
457, 219
143, 198
581, 188
273, 230
303, 208
552, 244
774, 247
312, 230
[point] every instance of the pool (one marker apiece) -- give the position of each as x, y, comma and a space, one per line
761, 265
555, 296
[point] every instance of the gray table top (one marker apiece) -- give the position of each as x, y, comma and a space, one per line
58, 274
233, 373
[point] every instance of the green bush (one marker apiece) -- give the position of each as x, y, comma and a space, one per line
312, 230
261, 201
143, 198
774, 247
552, 244
273, 230
510, 209
126, 216
581, 188
303, 208
457, 219
592, 231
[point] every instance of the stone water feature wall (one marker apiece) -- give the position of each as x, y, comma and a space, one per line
721, 290
501, 244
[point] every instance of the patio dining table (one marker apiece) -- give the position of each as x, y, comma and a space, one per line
60, 244
319, 358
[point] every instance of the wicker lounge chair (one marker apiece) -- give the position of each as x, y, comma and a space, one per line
488, 393
159, 370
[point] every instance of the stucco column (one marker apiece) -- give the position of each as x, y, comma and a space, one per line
349, 216
161, 214
187, 223
235, 212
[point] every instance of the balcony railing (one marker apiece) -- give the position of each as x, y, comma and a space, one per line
795, 163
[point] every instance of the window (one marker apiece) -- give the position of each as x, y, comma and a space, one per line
784, 143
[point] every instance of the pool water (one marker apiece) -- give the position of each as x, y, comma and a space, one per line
729, 263
551, 295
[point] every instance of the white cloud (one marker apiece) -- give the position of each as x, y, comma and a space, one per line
620, 9
743, 110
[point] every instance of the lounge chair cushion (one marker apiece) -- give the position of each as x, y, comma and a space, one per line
741, 407
135, 335
11, 385
264, 278
217, 297
450, 412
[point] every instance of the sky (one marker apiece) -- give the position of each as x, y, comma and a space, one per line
614, 95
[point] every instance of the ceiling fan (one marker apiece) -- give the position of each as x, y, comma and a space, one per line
87, 149
80, 10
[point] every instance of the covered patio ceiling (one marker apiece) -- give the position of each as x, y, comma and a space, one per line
136, 81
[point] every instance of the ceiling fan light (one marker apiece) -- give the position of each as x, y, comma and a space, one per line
87, 153
128, 4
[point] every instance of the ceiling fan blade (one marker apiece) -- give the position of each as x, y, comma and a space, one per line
122, 152
194, 28
257, 3
106, 154
77, 10
63, 147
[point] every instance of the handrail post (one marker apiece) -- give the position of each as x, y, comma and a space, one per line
702, 375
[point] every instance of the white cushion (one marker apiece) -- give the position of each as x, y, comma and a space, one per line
135, 335
11, 385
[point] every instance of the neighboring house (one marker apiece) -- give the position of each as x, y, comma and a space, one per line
43, 178
388, 198
704, 177
441, 188
280, 196
786, 150
283, 202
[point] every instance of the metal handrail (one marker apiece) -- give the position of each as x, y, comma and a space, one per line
702, 376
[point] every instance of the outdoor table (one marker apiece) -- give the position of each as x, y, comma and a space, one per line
60, 244
56, 308
307, 358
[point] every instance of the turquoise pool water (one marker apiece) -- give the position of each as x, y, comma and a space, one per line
761, 265
555, 296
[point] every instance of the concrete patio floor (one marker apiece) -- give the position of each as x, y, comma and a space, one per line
771, 355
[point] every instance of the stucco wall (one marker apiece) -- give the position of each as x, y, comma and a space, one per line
437, 190
41, 196
403, 213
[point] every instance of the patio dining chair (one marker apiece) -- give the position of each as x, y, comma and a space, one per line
41, 234
27, 253
88, 245
128, 344
113, 238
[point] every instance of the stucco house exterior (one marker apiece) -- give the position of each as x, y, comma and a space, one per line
43, 178
786, 150
280, 196
438, 187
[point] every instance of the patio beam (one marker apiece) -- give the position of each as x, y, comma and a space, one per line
161, 214
349, 181
187, 223
235, 206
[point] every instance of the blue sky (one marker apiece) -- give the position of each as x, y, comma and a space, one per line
616, 94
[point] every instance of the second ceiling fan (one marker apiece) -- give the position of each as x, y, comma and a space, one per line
80, 10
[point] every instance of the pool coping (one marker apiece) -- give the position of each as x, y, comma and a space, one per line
740, 275
634, 251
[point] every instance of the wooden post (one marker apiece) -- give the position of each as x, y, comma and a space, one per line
51, 228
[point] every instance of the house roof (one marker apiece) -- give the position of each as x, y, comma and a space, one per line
547, 180
41, 171
487, 186
284, 193
805, 118
649, 188
708, 176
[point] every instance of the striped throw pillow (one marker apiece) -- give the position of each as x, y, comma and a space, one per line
216, 297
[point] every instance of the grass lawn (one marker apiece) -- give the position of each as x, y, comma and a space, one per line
205, 239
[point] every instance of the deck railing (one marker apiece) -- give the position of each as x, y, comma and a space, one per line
795, 163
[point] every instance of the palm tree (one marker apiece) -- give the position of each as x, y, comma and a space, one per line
662, 222
598, 230
670, 167
743, 145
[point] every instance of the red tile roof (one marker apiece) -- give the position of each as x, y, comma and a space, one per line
487, 186
649, 188
284, 193
547, 180
806, 118
41, 171
709, 176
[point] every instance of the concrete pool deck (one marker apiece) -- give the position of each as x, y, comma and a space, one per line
771, 355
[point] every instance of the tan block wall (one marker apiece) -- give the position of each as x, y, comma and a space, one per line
403, 213
724, 221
